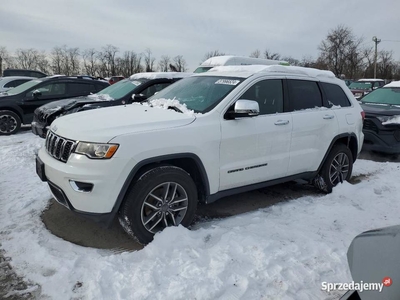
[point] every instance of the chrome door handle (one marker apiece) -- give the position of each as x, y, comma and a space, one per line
282, 122
328, 117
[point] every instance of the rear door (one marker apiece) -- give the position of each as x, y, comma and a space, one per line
314, 126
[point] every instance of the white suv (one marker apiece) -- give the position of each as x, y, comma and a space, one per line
230, 130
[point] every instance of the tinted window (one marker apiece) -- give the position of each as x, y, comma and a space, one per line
15, 83
304, 94
335, 95
51, 89
268, 94
155, 88
76, 88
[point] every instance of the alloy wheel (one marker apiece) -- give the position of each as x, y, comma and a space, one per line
7, 124
339, 168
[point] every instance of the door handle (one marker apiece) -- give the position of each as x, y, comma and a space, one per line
282, 122
328, 117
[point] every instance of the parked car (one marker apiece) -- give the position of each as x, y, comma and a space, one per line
373, 258
18, 104
230, 60
115, 79
362, 87
139, 86
22, 72
7, 83
382, 119
207, 136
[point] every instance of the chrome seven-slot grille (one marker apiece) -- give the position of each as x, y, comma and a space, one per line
59, 147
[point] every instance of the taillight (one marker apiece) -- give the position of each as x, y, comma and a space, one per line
363, 115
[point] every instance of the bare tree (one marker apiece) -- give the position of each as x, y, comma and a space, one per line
292, 61
340, 47
256, 54
57, 60
163, 64
109, 54
74, 61
212, 54
4, 57
180, 63
90, 64
43, 63
26, 58
148, 61
271, 55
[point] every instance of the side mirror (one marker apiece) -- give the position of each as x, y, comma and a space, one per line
244, 109
36, 94
138, 97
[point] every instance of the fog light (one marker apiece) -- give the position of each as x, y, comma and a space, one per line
82, 187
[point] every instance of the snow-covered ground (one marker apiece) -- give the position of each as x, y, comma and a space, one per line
281, 252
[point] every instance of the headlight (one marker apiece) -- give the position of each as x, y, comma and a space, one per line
93, 150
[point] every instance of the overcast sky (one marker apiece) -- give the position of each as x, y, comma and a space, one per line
193, 28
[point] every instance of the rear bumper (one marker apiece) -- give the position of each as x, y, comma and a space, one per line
39, 129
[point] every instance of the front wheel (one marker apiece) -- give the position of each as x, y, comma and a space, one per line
336, 169
162, 197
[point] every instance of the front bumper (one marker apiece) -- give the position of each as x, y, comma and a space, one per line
380, 138
106, 176
39, 129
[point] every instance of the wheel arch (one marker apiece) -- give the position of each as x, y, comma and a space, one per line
14, 110
348, 139
189, 162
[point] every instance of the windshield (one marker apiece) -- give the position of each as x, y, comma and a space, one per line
23, 87
202, 69
121, 88
383, 96
200, 94
360, 85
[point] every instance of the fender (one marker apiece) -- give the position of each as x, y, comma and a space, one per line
335, 139
16, 109
151, 160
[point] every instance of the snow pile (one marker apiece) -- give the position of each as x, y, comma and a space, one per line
168, 103
393, 84
101, 97
281, 252
393, 120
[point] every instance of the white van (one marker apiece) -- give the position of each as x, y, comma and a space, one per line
230, 60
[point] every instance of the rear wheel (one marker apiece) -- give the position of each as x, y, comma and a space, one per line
162, 197
336, 169
10, 122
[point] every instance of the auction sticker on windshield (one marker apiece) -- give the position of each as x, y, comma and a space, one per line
227, 81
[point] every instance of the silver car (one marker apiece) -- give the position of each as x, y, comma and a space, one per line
10, 82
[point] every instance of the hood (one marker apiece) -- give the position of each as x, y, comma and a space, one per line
380, 109
62, 105
101, 125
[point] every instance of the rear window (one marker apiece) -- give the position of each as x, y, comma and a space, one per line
360, 85
335, 95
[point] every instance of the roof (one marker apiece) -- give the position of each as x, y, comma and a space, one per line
247, 71
230, 60
372, 79
157, 75
393, 84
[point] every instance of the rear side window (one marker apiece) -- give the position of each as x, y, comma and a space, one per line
335, 95
76, 88
304, 94
15, 83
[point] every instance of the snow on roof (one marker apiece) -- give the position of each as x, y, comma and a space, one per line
393, 84
156, 75
246, 71
230, 60
372, 79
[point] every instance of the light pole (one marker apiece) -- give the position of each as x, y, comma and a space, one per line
376, 41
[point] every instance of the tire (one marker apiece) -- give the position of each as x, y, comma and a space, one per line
148, 209
10, 122
339, 157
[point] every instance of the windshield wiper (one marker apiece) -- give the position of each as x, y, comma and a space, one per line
175, 109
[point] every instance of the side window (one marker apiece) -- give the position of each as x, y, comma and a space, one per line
51, 89
98, 88
14, 83
76, 88
268, 94
304, 94
335, 95
151, 90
